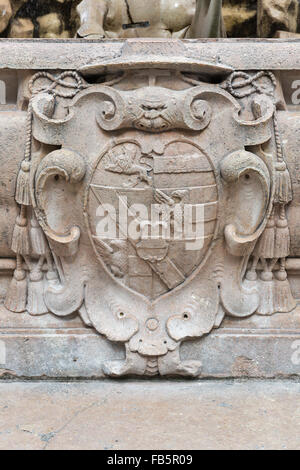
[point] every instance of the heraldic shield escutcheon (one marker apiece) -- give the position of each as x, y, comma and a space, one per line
169, 194
151, 196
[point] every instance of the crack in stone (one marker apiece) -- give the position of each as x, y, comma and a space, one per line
47, 438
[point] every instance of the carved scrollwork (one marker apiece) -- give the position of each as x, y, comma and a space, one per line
111, 110
70, 166
197, 316
153, 109
260, 94
235, 167
200, 226
197, 112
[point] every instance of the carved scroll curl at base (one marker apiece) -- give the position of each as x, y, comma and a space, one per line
234, 167
70, 166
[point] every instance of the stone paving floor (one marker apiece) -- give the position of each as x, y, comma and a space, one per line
150, 415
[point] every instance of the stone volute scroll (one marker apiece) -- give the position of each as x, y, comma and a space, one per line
152, 203
70, 166
235, 167
273, 245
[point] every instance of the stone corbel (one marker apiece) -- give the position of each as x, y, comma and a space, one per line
70, 166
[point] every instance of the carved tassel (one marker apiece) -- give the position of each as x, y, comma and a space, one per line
35, 303
283, 184
284, 301
283, 298
16, 297
282, 238
266, 287
52, 278
20, 239
265, 246
251, 274
22, 195
37, 238
51, 275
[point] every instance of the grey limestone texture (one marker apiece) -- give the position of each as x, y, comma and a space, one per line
150, 415
86, 124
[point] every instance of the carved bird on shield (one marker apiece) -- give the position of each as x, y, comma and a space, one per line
167, 204
114, 255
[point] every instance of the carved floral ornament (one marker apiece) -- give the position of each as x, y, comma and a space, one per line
99, 154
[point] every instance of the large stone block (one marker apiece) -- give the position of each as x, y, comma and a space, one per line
192, 165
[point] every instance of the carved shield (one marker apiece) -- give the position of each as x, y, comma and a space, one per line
162, 194
161, 209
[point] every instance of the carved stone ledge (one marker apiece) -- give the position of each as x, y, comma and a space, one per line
238, 54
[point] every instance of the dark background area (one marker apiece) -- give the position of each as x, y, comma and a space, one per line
240, 17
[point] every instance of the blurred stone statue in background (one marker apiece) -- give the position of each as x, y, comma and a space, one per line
156, 18
277, 15
5, 14
38, 18
148, 18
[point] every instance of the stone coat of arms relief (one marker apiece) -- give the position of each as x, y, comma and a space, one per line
153, 204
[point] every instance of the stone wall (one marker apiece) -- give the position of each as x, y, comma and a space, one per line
58, 18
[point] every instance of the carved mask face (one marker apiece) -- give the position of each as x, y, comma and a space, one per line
153, 115
152, 112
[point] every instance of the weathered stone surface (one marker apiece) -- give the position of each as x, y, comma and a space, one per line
171, 287
46, 347
178, 416
244, 54
127, 130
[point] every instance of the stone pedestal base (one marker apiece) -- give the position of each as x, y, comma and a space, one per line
263, 347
